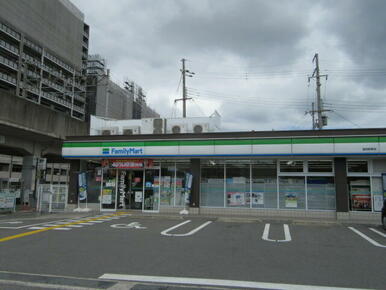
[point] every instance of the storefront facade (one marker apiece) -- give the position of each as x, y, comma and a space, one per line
288, 173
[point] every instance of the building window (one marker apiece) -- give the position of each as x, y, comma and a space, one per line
212, 183
292, 192
320, 166
17, 168
291, 166
237, 184
108, 198
264, 185
4, 167
321, 193
357, 166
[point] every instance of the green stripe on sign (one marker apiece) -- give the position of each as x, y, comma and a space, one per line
197, 143
162, 143
312, 140
271, 141
232, 142
356, 140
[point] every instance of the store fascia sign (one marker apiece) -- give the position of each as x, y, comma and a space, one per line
127, 163
122, 151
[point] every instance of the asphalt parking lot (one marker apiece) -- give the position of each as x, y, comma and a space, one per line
210, 252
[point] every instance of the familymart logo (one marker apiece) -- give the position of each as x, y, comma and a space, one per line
128, 151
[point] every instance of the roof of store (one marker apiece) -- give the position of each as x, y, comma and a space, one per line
235, 135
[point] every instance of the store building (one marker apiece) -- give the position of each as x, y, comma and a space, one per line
321, 174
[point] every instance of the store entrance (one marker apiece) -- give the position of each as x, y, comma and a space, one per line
134, 182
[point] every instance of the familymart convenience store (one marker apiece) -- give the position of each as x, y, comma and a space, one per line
283, 173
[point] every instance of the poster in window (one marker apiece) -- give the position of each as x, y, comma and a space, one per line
236, 198
378, 202
258, 198
107, 196
361, 202
291, 200
138, 196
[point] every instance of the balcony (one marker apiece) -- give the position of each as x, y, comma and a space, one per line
53, 85
32, 89
8, 79
10, 31
33, 46
56, 99
78, 109
9, 47
31, 60
57, 61
79, 98
8, 63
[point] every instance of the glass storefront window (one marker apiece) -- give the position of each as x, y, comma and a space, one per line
292, 192
357, 166
291, 166
108, 195
321, 193
212, 183
181, 173
360, 194
167, 183
320, 166
264, 186
237, 183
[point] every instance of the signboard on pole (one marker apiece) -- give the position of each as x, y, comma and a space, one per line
82, 185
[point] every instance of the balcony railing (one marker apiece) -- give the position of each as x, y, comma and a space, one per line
58, 62
56, 99
9, 47
8, 62
10, 31
53, 85
33, 46
7, 78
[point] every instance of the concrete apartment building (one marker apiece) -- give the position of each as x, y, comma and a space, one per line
43, 58
109, 100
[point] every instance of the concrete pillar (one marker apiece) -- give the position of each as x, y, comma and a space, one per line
28, 175
342, 194
195, 190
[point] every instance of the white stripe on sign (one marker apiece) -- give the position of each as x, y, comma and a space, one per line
378, 232
166, 232
370, 240
214, 282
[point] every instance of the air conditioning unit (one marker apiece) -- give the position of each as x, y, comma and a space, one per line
178, 128
158, 126
200, 128
131, 130
109, 131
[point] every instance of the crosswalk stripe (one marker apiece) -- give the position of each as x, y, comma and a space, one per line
62, 229
36, 228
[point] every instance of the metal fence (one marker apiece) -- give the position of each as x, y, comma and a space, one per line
52, 197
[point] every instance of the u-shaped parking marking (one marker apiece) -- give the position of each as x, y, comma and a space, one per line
166, 232
287, 234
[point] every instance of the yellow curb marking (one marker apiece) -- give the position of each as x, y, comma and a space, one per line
54, 227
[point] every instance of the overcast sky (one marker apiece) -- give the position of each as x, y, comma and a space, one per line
251, 58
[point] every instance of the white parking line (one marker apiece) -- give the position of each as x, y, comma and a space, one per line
370, 240
378, 232
287, 234
215, 282
166, 232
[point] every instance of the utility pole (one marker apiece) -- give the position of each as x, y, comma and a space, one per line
320, 119
183, 89
185, 73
